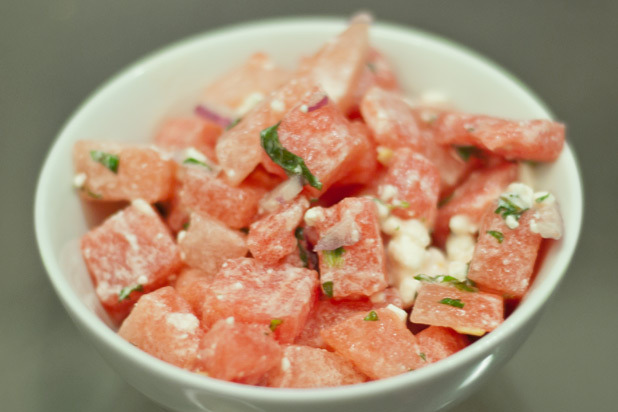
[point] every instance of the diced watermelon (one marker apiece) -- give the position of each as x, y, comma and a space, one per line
436, 342
131, 251
163, 325
411, 186
473, 196
363, 169
272, 237
472, 313
207, 243
239, 89
252, 292
305, 367
112, 171
184, 132
201, 191
192, 285
238, 352
538, 140
378, 343
504, 266
358, 269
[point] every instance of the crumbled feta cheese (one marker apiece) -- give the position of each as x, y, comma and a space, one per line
230, 320
378, 297
460, 247
143, 206
181, 235
401, 314
408, 286
304, 108
142, 280
458, 270
383, 211
388, 192
237, 286
512, 222
277, 105
384, 155
313, 215
285, 364
462, 225
520, 195
79, 180
406, 252
184, 322
249, 103
435, 262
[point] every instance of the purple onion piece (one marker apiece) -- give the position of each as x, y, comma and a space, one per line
208, 114
345, 233
323, 102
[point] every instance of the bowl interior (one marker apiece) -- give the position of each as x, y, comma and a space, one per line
131, 106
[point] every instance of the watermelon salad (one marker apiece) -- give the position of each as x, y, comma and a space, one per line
316, 227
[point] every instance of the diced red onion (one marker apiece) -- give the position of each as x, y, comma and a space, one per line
323, 102
281, 194
344, 233
208, 114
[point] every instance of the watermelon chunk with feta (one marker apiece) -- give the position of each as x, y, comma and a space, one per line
306, 367
251, 292
537, 140
179, 133
131, 253
207, 243
472, 313
437, 342
192, 284
378, 343
238, 352
411, 186
112, 171
272, 237
350, 248
163, 325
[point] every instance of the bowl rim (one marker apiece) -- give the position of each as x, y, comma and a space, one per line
533, 304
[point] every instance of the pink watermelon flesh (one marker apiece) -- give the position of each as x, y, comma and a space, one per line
192, 285
179, 133
436, 342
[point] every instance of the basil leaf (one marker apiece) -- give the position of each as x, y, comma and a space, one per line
274, 323
540, 199
106, 159
334, 258
507, 208
423, 356
126, 291
467, 285
457, 303
327, 287
292, 164
194, 161
371, 316
498, 235
302, 252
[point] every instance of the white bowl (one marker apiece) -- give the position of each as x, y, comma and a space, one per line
130, 106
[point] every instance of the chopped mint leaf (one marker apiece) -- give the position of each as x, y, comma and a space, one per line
423, 356
106, 159
541, 198
194, 161
467, 285
457, 303
274, 323
314, 200
302, 252
245, 230
327, 287
334, 258
291, 163
233, 123
126, 291
506, 207
498, 235
93, 195
185, 225
372, 67
371, 316
401, 204
466, 152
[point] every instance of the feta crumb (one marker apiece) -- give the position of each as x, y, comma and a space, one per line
230, 173
142, 280
277, 105
285, 364
378, 297
383, 211
230, 320
511, 222
237, 286
384, 155
408, 286
79, 180
181, 235
458, 270
401, 314
462, 225
460, 247
143, 206
313, 215
249, 103
304, 108
184, 322
520, 195
192, 153
406, 252
388, 192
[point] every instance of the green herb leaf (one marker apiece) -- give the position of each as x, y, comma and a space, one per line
445, 200
274, 323
467, 285
452, 302
372, 67
327, 287
302, 252
185, 225
314, 200
423, 356
334, 258
506, 207
93, 195
401, 204
541, 198
466, 152
233, 123
292, 164
126, 291
371, 316
194, 161
106, 159
498, 235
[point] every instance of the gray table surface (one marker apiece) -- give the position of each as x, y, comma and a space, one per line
54, 53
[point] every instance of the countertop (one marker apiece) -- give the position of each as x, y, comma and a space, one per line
54, 53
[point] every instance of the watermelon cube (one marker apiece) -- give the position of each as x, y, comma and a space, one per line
350, 248
112, 171
163, 325
179, 133
503, 260
207, 243
537, 140
251, 292
378, 343
363, 169
272, 237
238, 352
473, 196
306, 367
472, 313
437, 342
131, 253
411, 186
192, 285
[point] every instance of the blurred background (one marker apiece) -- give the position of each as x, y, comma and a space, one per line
54, 53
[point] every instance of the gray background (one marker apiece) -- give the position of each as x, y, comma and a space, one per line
54, 53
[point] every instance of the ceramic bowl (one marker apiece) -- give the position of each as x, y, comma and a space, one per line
131, 106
